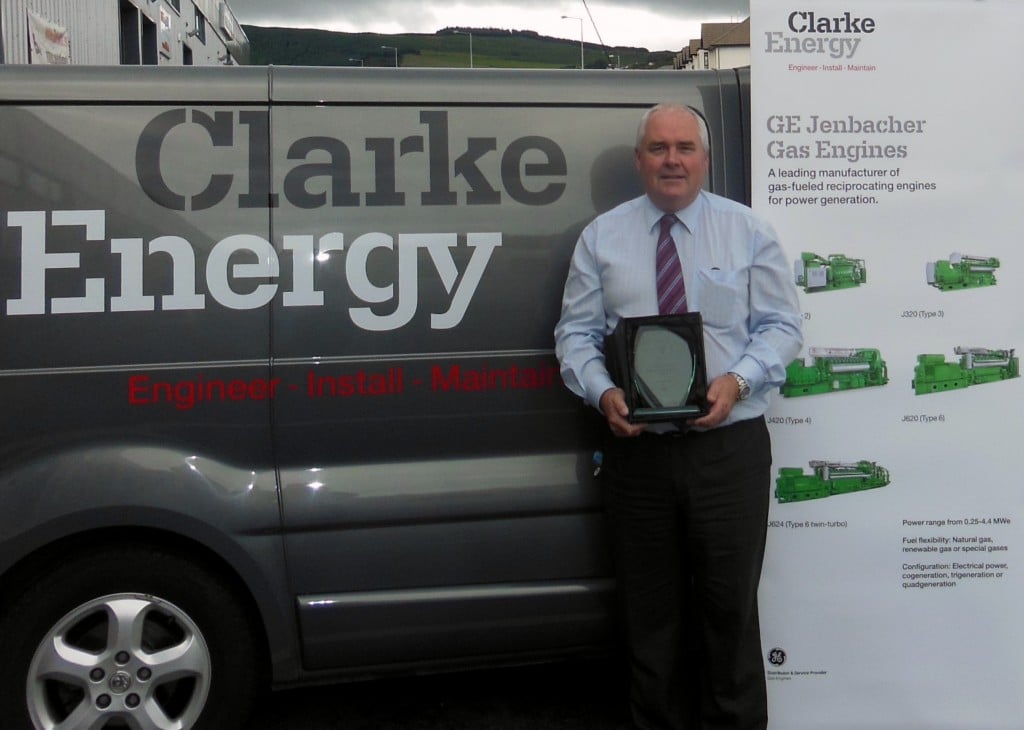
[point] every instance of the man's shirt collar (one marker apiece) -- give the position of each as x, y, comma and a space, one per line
688, 216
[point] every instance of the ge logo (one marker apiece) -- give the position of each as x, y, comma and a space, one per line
777, 657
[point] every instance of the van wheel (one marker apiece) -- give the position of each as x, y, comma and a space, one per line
132, 637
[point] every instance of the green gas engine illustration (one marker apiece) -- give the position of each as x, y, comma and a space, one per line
816, 273
828, 478
962, 272
977, 365
828, 369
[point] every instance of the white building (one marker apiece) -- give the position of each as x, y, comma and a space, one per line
132, 32
721, 45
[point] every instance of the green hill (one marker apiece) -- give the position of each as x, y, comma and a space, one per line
492, 48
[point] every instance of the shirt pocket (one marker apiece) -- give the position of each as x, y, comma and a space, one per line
723, 296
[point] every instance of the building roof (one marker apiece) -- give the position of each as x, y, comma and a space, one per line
713, 35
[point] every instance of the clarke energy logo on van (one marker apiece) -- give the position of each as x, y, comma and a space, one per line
243, 271
223, 270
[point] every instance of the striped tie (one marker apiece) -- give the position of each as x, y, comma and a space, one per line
671, 290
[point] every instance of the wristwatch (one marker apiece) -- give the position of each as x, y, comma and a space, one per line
744, 386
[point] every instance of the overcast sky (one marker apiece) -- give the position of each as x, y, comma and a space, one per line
657, 25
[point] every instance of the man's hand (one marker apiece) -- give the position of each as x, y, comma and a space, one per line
613, 405
722, 396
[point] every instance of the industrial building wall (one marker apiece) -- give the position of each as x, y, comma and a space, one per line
199, 32
91, 25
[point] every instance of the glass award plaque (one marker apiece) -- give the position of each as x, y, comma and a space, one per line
659, 362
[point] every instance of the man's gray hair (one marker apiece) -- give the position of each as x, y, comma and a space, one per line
702, 127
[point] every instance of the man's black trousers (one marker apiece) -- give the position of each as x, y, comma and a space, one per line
688, 515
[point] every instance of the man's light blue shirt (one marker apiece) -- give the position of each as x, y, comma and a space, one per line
736, 276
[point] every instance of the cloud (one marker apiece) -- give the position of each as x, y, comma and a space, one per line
654, 24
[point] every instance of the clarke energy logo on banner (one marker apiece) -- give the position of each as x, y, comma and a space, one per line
814, 36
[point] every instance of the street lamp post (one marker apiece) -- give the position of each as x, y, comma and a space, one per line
573, 17
470, 34
391, 48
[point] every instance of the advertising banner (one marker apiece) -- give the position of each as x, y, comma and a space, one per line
886, 153
48, 43
165, 32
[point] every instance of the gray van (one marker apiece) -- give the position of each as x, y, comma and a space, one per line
279, 397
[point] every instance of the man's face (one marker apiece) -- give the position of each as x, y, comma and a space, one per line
671, 160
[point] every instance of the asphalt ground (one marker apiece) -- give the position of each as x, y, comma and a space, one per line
578, 695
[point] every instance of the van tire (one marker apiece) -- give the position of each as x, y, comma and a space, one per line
123, 631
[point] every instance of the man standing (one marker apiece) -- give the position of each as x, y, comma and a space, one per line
688, 507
